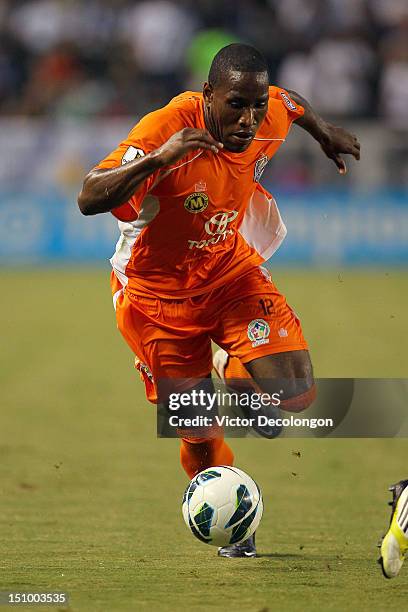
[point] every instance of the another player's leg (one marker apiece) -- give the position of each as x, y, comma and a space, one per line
394, 545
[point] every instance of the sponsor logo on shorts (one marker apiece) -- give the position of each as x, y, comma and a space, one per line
217, 228
283, 332
288, 101
258, 332
196, 202
260, 165
131, 154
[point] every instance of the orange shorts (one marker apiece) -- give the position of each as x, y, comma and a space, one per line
248, 318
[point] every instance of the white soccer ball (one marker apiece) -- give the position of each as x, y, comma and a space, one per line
222, 505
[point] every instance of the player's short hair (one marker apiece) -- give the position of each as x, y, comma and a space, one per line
239, 57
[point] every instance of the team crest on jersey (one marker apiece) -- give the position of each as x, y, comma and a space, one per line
258, 332
196, 202
260, 165
287, 101
131, 154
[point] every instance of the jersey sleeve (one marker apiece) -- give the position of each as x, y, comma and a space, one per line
282, 110
146, 136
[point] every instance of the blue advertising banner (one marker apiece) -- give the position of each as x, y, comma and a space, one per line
324, 228
330, 227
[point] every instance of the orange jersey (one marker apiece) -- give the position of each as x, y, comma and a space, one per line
206, 220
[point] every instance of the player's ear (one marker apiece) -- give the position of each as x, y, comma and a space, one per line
208, 93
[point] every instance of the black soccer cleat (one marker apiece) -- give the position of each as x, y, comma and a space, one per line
243, 549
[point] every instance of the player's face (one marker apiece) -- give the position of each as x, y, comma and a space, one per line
236, 108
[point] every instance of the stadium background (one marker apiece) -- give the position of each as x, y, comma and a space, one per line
75, 76
90, 498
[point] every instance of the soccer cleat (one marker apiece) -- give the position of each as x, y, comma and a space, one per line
395, 543
243, 549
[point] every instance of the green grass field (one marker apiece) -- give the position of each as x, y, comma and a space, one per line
90, 499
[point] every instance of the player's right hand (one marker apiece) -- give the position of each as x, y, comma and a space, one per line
184, 141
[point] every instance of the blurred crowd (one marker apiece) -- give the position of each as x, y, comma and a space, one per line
76, 58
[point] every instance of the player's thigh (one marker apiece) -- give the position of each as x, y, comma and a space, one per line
253, 320
290, 364
164, 343
257, 325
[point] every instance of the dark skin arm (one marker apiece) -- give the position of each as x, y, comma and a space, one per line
103, 190
334, 141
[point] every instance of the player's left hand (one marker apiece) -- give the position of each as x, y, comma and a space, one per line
336, 141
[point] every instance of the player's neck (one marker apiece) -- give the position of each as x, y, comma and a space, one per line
212, 125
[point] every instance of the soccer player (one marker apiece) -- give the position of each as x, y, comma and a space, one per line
196, 225
395, 543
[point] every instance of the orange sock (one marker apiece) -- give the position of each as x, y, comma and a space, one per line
197, 454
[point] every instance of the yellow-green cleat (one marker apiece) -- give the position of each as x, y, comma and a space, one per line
395, 542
